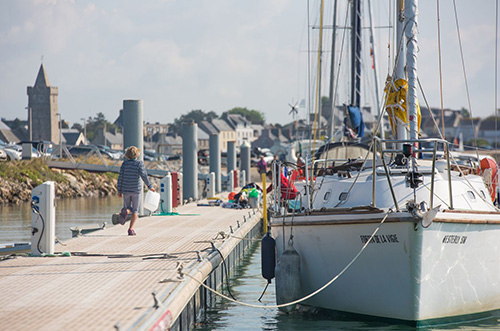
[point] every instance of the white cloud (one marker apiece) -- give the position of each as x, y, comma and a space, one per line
211, 55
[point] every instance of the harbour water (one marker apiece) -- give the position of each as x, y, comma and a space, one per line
15, 221
246, 282
247, 285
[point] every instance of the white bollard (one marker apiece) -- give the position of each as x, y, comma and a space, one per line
43, 219
211, 185
166, 194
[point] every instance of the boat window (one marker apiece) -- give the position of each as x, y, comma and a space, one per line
343, 196
483, 194
327, 195
471, 194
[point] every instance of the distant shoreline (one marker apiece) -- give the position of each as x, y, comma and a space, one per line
18, 178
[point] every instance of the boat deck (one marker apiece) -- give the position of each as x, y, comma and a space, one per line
108, 281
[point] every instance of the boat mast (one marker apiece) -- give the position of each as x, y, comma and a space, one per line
411, 64
332, 72
356, 53
399, 73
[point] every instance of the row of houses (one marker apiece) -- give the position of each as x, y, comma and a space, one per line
71, 137
230, 127
459, 127
157, 136
235, 127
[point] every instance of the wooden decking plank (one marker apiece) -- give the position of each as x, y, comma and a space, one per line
99, 290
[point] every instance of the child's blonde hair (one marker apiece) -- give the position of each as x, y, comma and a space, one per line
132, 153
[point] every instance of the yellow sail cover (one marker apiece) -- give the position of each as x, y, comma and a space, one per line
396, 102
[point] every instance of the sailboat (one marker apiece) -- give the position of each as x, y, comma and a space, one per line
393, 236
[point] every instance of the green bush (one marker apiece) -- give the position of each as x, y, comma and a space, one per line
35, 170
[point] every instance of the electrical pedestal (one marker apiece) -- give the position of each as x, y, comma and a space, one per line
43, 219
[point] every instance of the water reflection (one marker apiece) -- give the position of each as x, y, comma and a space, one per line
247, 285
15, 221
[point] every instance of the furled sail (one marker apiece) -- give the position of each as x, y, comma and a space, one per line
397, 92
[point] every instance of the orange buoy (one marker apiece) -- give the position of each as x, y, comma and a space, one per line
491, 175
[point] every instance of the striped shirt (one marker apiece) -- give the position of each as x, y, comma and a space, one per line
130, 172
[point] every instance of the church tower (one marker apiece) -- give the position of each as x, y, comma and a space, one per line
42, 109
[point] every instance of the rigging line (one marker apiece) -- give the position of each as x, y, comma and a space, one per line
344, 33
308, 69
332, 71
299, 49
317, 103
429, 108
465, 75
436, 195
389, 82
372, 149
181, 274
336, 84
340, 56
470, 184
382, 109
496, 76
389, 32
317, 96
453, 160
440, 67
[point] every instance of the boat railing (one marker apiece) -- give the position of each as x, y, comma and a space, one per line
280, 205
410, 149
323, 164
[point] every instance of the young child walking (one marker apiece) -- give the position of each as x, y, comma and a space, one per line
130, 186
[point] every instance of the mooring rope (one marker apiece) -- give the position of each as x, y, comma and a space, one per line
181, 274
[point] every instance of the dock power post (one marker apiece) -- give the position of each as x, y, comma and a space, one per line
211, 185
166, 194
43, 219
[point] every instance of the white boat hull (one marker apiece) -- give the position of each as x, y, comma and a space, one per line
407, 272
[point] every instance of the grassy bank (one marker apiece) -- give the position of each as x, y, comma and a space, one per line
18, 178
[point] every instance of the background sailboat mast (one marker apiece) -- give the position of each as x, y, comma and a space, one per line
332, 71
374, 59
411, 64
356, 53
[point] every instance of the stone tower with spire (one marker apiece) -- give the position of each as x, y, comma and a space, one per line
42, 109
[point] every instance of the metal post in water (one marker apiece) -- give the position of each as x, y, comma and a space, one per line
214, 145
245, 160
133, 131
132, 125
190, 160
243, 178
230, 185
231, 156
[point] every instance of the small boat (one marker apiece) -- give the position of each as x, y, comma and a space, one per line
15, 248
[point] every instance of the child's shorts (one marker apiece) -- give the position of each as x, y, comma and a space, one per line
131, 201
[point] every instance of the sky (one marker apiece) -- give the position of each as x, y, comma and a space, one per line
215, 55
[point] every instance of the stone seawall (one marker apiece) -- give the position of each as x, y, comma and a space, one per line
15, 189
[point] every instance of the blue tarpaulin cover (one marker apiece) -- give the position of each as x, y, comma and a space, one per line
356, 120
